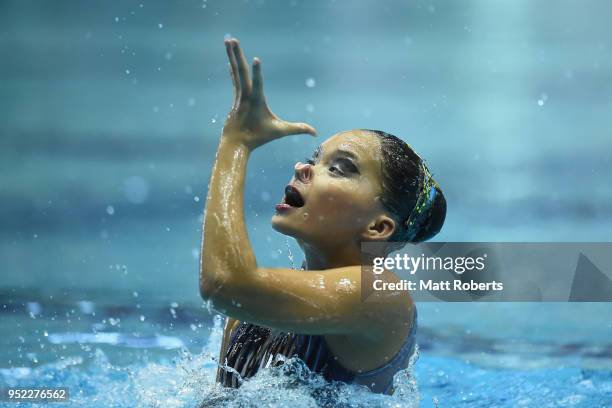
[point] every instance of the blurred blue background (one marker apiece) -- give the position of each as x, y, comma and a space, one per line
111, 112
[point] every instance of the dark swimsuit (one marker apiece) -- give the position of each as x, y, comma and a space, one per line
253, 347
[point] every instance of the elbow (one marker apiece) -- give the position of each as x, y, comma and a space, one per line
217, 285
210, 286
225, 291
211, 280
218, 292
212, 276
205, 290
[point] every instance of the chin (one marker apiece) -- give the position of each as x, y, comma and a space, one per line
285, 226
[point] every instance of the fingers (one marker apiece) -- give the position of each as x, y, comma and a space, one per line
250, 90
295, 128
257, 91
233, 70
243, 67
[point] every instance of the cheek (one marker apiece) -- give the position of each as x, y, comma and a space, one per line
343, 205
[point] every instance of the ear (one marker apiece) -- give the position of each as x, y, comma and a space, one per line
380, 229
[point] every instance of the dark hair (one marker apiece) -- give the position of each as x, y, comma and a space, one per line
404, 177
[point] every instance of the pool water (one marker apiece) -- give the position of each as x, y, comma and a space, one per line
146, 354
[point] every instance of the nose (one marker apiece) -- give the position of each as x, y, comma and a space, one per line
303, 172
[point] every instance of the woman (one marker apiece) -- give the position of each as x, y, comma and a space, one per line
360, 186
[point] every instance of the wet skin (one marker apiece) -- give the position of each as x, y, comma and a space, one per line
341, 188
332, 205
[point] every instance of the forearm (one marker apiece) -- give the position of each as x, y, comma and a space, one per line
226, 249
227, 259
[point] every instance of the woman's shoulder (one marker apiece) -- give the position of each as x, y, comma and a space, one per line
383, 343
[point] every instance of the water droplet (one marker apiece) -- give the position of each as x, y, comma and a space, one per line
160, 25
543, 99
110, 210
310, 82
217, 321
290, 254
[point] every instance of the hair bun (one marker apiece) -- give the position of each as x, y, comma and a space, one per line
435, 218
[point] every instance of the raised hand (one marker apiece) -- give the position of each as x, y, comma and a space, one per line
251, 122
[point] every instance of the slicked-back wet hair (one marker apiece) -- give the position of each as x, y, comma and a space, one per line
403, 179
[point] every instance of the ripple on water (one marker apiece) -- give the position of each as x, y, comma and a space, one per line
188, 380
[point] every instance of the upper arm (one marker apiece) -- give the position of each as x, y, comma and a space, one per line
312, 302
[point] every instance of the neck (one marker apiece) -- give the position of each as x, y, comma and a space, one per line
318, 259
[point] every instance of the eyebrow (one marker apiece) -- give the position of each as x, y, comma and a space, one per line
340, 154
319, 151
348, 154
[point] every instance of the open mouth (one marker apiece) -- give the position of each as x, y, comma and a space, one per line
293, 197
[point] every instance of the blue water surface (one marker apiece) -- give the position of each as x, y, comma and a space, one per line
142, 355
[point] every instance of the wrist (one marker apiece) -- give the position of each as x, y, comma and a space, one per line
235, 141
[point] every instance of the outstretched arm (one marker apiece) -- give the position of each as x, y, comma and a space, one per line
226, 250
316, 302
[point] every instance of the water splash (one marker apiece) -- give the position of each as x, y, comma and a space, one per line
290, 254
189, 380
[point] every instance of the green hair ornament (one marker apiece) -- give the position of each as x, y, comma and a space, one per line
424, 203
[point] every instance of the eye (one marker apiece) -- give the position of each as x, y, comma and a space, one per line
335, 169
343, 167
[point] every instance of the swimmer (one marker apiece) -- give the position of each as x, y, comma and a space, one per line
359, 186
